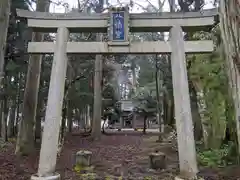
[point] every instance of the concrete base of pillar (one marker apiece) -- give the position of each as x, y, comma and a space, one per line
194, 178
56, 176
178, 178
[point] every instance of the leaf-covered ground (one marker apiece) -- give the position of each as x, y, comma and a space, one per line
113, 155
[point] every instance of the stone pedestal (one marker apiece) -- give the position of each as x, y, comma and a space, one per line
157, 160
83, 158
56, 176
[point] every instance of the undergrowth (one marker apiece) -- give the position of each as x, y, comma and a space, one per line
224, 156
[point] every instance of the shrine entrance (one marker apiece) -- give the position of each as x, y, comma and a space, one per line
118, 23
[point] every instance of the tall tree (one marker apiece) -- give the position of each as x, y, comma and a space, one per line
13, 67
96, 125
186, 6
25, 142
230, 32
4, 21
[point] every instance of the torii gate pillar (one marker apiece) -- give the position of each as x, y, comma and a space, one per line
183, 116
49, 148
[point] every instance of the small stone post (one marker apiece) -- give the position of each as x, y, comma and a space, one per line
157, 160
83, 158
183, 116
49, 148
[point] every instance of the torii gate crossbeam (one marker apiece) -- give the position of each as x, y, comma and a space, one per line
154, 47
144, 22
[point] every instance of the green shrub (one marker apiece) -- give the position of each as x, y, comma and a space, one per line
216, 157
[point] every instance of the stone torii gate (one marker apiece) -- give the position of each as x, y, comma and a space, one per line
117, 23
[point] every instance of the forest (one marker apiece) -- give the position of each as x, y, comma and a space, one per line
214, 82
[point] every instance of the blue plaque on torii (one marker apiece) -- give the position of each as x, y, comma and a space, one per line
118, 26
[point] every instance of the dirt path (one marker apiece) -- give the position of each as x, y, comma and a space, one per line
110, 155
113, 155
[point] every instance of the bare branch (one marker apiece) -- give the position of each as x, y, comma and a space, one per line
152, 5
119, 2
161, 4
141, 6
79, 5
